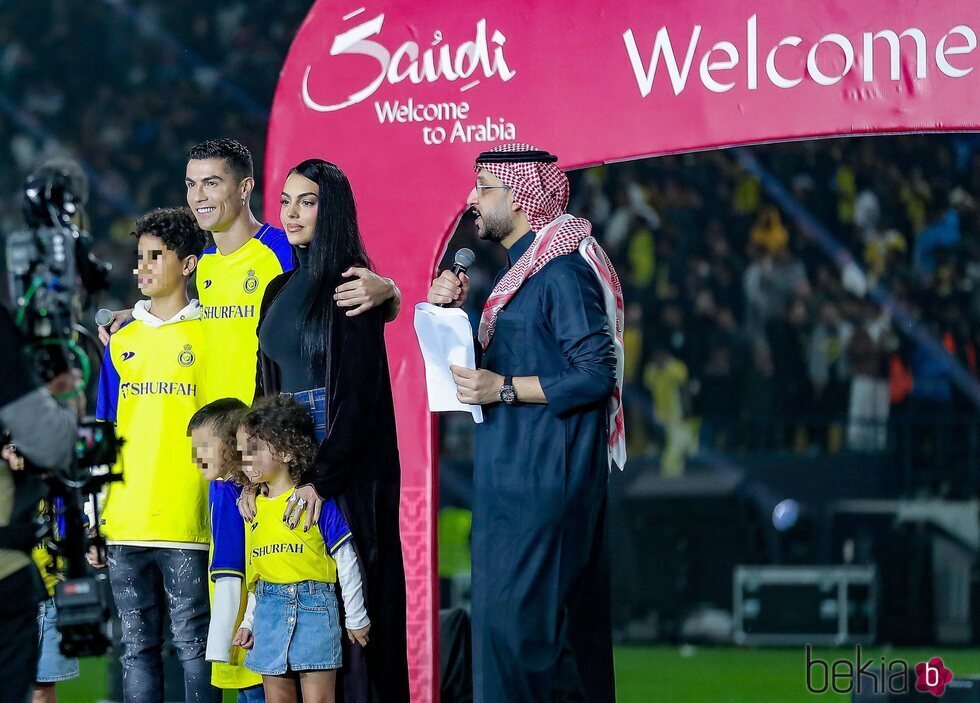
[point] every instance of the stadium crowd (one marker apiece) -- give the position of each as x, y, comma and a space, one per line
141, 103
746, 331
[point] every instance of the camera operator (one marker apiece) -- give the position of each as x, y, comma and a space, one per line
43, 432
49, 453
49, 265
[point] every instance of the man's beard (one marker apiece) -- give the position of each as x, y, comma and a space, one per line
495, 229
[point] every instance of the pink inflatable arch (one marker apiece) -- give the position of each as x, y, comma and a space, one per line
402, 95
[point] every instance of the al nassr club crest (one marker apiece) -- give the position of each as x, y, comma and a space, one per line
251, 282
186, 357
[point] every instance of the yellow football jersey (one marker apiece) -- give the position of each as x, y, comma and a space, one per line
45, 564
152, 380
276, 554
231, 289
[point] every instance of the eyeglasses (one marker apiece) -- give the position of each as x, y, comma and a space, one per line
480, 187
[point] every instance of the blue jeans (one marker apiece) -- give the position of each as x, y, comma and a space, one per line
144, 581
252, 694
315, 402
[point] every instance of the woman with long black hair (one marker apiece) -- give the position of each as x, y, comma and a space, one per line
337, 366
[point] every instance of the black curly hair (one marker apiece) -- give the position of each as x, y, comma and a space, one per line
223, 417
177, 228
236, 155
286, 427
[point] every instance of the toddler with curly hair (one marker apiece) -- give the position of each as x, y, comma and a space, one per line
293, 572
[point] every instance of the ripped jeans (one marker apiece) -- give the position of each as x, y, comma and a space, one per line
144, 581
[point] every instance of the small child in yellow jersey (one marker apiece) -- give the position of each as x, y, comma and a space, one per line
212, 430
53, 666
294, 573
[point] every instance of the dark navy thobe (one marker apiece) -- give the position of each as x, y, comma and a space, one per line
540, 475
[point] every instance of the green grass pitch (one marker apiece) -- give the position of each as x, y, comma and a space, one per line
673, 675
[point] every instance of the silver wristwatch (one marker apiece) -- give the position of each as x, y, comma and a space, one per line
508, 396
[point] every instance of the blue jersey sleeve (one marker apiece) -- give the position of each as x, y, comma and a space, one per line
333, 527
276, 240
108, 395
227, 531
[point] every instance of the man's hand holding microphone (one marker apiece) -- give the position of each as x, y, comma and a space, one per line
450, 288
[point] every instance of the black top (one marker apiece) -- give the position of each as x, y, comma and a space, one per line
279, 333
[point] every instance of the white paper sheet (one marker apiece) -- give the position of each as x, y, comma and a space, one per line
445, 337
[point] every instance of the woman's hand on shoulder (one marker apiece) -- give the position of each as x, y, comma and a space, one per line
304, 499
246, 502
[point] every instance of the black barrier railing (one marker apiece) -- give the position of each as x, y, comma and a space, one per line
934, 449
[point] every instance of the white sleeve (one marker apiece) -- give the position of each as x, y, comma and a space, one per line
89, 510
224, 613
249, 616
89, 507
351, 587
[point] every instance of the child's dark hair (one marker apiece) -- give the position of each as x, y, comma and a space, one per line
223, 416
286, 427
177, 228
235, 154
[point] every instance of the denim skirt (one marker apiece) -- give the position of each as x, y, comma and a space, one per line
296, 628
315, 402
52, 665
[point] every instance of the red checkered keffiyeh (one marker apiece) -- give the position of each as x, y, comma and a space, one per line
541, 189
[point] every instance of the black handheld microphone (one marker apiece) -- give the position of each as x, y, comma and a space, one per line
104, 317
463, 260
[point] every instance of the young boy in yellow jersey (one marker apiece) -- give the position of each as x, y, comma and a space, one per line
293, 572
212, 430
156, 522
